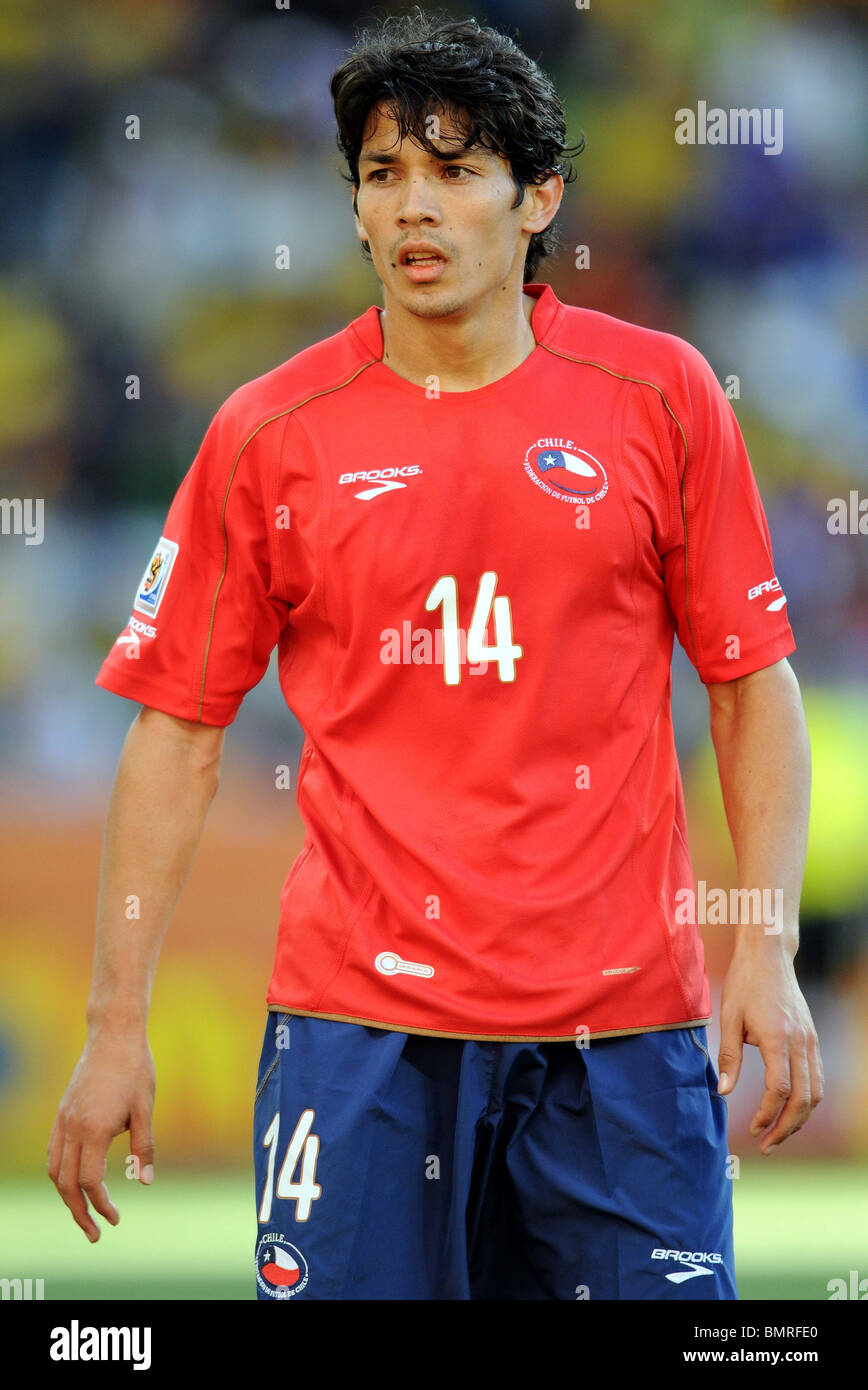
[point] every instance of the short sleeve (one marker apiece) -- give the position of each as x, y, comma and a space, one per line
207, 612
727, 603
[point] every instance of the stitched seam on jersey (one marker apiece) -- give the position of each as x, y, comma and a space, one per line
301, 859
687, 554
647, 723
640, 381
317, 567
352, 920
655, 906
324, 502
261, 426
274, 547
642, 700
278, 549
662, 444
322, 498
660, 918
304, 853
618, 428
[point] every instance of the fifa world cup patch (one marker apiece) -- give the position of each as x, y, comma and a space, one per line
149, 594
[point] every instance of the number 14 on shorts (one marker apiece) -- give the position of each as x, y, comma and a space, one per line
304, 1147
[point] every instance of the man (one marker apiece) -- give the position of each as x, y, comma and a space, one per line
471, 522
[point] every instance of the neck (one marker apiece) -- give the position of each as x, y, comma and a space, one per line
467, 349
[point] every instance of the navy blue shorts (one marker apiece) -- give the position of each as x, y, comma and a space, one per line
396, 1166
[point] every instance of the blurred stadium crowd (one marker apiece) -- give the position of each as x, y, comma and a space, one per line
154, 258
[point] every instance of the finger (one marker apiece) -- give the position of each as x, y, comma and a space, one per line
92, 1178
798, 1106
142, 1144
55, 1149
777, 1085
70, 1189
815, 1066
729, 1054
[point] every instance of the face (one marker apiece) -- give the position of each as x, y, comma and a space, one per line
444, 233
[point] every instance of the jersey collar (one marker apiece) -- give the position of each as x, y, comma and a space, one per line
547, 308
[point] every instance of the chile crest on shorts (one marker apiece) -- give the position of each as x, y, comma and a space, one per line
149, 594
281, 1269
564, 470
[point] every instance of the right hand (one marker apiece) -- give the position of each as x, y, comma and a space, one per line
111, 1090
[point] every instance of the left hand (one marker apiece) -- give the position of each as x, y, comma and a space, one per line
763, 1005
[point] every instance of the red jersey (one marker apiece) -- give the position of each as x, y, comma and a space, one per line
473, 595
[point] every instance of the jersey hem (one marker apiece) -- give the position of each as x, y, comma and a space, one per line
486, 1037
154, 695
758, 658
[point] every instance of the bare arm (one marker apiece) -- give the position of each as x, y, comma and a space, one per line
763, 755
166, 779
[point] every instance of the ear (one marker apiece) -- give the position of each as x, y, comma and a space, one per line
360, 231
544, 201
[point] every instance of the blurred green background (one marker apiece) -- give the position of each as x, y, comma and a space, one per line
192, 1236
155, 259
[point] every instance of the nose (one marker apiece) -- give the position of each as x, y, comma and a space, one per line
419, 203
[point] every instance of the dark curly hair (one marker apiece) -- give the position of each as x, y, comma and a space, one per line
496, 95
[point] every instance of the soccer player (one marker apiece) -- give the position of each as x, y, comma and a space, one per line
472, 522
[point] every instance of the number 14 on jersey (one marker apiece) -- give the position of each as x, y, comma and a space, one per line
504, 652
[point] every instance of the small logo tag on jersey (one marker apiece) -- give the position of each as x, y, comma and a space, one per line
130, 642
563, 470
388, 963
149, 594
130, 638
281, 1269
384, 480
768, 586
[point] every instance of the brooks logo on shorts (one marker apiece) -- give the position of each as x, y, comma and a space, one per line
695, 1261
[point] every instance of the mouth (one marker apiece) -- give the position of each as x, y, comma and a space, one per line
421, 264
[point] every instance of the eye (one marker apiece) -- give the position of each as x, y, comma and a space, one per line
380, 175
